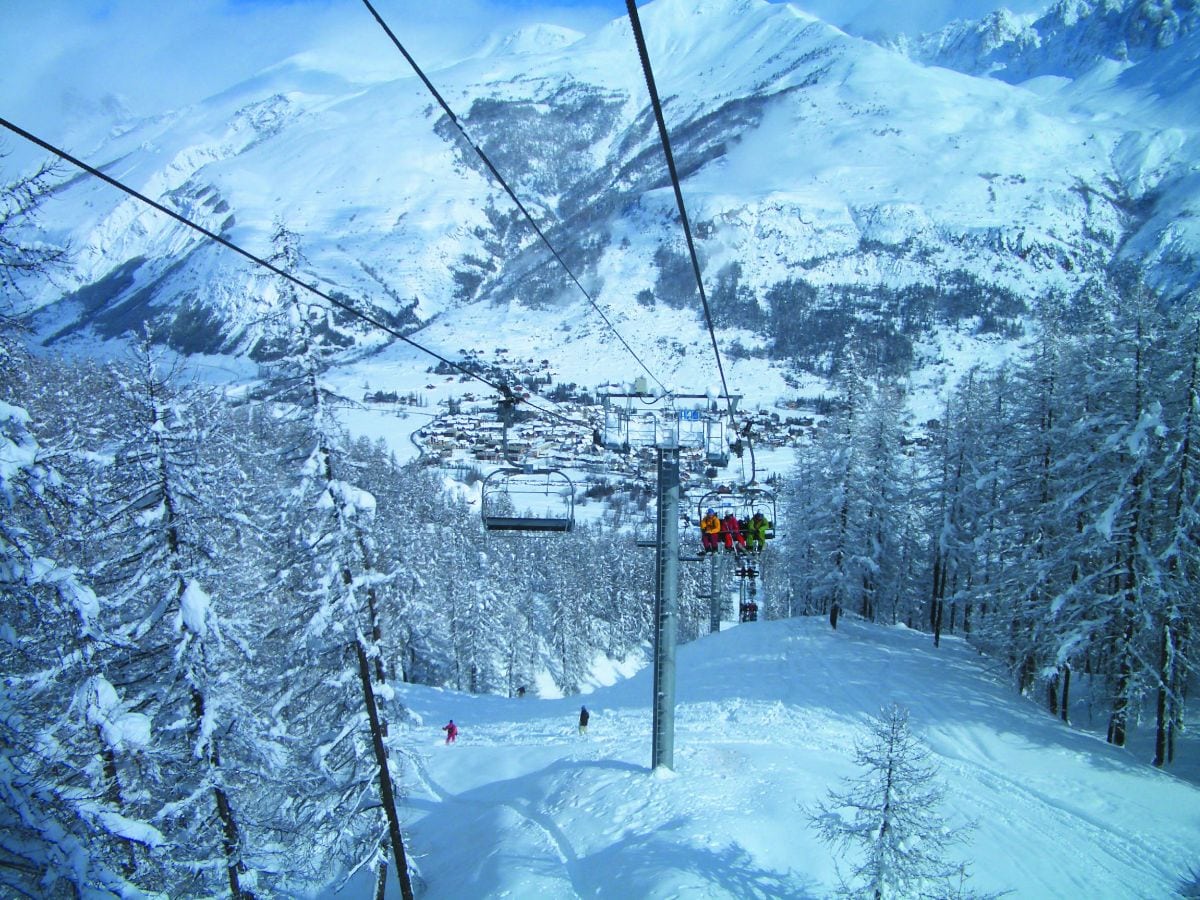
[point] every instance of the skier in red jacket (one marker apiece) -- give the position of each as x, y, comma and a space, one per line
731, 531
451, 732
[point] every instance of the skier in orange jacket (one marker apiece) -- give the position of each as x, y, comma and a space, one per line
710, 532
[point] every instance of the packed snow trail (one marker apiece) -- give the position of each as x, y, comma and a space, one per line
766, 719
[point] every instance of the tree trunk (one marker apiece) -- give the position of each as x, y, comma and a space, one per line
1165, 719
386, 795
1066, 693
937, 606
933, 594
1118, 720
1178, 688
230, 844
112, 790
230, 836
1026, 674
381, 880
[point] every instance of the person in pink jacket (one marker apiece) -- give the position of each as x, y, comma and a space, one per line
451, 732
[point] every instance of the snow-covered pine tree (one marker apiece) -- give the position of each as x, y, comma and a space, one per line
1115, 588
571, 608
801, 517
334, 577
949, 534
165, 505
522, 575
1181, 558
833, 495
844, 514
22, 255
1026, 446
888, 818
990, 458
62, 724
883, 497
425, 539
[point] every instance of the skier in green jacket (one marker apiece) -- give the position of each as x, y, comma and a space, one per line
757, 531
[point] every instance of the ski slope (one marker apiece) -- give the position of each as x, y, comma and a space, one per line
766, 718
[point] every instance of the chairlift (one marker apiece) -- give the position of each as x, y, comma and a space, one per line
748, 608
528, 499
640, 419
524, 498
743, 502
716, 448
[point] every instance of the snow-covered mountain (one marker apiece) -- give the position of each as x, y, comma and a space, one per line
833, 183
1070, 39
767, 719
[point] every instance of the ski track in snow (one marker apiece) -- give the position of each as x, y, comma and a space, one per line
1003, 800
767, 716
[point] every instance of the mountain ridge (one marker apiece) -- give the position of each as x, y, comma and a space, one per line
1068, 40
828, 180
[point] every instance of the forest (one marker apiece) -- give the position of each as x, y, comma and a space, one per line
207, 593
206, 596
1050, 513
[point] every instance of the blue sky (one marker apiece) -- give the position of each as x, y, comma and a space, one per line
66, 56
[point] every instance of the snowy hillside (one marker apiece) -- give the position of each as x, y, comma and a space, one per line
767, 718
831, 182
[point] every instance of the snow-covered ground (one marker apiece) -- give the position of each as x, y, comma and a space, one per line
766, 719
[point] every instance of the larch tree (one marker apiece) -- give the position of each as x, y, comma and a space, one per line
1181, 553
883, 498
335, 576
164, 503
1027, 451
62, 723
889, 818
24, 254
1112, 477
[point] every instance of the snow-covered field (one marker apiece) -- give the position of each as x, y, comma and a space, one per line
767, 716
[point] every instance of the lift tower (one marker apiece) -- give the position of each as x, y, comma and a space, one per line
639, 420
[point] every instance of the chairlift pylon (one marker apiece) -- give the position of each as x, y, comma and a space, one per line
639, 419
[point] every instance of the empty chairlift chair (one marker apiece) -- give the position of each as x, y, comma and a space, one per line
527, 499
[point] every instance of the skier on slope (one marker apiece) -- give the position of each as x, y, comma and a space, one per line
583, 719
451, 732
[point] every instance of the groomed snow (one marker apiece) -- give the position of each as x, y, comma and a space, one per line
767, 715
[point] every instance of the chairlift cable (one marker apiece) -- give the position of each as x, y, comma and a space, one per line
504, 184
635, 22
257, 260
